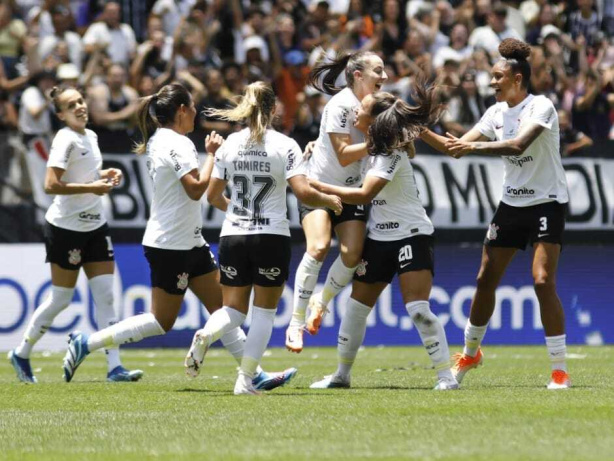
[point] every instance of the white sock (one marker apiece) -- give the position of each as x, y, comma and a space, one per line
102, 292
56, 302
473, 338
234, 342
221, 322
304, 284
351, 335
432, 335
130, 330
557, 350
257, 340
336, 280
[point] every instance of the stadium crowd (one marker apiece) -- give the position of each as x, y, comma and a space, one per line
118, 51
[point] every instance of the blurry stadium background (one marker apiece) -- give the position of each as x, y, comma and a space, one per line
118, 51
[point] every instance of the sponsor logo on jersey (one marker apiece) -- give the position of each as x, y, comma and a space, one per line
492, 232
252, 153
230, 271
394, 164
519, 161
387, 225
344, 117
521, 192
270, 273
361, 270
174, 156
291, 158
378, 202
84, 216
252, 165
352, 180
197, 230
74, 256
182, 281
69, 151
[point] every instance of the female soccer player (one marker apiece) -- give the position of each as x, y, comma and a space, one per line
336, 161
178, 256
76, 232
254, 250
400, 234
524, 130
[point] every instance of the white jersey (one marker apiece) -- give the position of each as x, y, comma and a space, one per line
79, 156
175, 222
338, 117
257, 175
396, 212
537, 176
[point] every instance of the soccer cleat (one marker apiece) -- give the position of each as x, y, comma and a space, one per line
294, 338
269, 381
244, 386
463, 363
331, 382
76, 353
22, 367
559, 380
194, 360
120, 375
446, 384
317, 310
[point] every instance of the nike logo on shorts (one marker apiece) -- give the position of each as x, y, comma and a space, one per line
405, 265
542, 235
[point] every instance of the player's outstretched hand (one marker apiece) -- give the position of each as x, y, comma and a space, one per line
213, 142
114, 176
309, 150
456, 147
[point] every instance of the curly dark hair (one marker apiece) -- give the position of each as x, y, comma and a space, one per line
515, 53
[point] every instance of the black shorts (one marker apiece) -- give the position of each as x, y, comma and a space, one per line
381, 260
172, 270
514, 227
259, 259
71, 249
349, 213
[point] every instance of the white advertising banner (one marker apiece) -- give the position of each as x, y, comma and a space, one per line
456, 193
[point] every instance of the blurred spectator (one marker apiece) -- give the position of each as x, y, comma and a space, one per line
546, 17
465, 107
585, 22
458, 48
571, 140
8, 123
234, 78
289, 83
308, 117
110, 35
60, 18
591, 110
35, 112
393, 29
12, 35
314, 31
214, 99
496, 30
112, 106
172, 12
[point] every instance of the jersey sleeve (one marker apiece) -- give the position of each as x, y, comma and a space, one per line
486, 125
182, 159
62, 148
294, 163
339, 120
220, 170
542, 112
385, 166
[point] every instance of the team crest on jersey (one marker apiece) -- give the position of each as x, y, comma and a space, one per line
74, 256
182, 281
361, 270
492, 232
230, 271
271, 273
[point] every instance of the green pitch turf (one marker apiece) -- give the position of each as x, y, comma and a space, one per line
503, 411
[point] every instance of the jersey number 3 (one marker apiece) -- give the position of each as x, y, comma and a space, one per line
243, 189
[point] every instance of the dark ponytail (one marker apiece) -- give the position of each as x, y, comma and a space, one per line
159, 110
396, 124
323, 76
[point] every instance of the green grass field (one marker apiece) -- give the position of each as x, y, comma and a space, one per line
502, 412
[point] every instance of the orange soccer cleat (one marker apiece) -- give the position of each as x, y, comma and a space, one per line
463, 363
317, 310
559, 380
